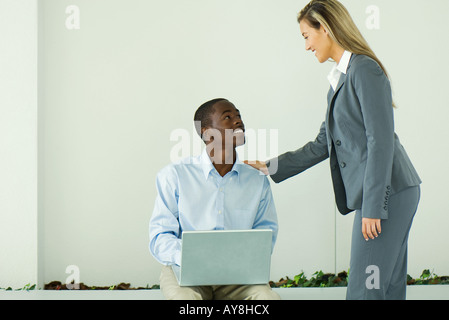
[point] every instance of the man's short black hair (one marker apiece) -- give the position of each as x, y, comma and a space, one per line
203, 113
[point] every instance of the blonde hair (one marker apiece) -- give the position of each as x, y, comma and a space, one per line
335, 18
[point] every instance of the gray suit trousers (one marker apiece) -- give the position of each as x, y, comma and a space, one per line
378, 267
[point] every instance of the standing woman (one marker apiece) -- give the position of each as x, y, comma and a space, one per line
371, 172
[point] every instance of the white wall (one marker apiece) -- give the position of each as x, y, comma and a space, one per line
114, 90
18, 142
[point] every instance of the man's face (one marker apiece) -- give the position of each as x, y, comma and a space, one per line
226, 121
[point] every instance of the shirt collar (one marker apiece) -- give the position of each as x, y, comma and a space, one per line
338, 69
207, 166
344, 62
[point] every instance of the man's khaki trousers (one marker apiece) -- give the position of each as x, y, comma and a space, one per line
172, 291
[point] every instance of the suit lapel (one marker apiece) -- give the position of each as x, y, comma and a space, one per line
330, 106
341, 81
332, 96
337, 180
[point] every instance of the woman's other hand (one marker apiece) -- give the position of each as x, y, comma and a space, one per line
370, 228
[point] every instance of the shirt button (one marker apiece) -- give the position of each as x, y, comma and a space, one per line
219, 211
338, 143
221, 189
342, 164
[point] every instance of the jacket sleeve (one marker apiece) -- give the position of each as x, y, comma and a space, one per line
374, 93
292, 163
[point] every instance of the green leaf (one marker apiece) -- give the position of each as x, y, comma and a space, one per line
425, 274
300, 279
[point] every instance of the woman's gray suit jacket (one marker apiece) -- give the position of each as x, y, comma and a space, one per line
368, 163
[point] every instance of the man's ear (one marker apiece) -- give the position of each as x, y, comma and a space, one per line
205, 135
202, 133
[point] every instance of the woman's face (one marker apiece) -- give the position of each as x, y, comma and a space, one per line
317, 40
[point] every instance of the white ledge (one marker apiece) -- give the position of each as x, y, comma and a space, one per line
417, 292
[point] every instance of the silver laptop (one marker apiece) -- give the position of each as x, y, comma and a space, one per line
224, 257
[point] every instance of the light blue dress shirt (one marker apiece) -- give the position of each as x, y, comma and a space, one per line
191, 195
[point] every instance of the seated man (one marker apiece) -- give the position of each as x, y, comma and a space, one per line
214, 191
